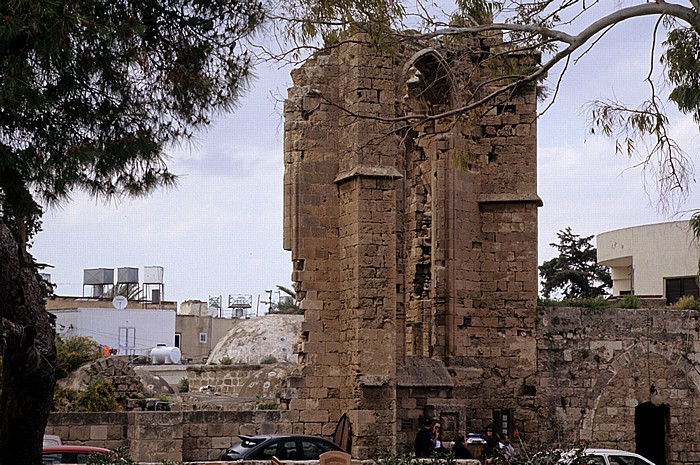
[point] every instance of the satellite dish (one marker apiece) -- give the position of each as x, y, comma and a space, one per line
119, 302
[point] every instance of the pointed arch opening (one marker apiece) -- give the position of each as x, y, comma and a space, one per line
651, 426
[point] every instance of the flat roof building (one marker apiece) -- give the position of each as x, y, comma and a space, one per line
655, 260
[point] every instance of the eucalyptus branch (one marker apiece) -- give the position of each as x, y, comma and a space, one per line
648, 9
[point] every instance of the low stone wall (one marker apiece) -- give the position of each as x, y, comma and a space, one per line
176, 436
226, 379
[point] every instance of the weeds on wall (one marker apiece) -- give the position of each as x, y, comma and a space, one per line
630, 301
183, 385
268, 405
225, 360
592, 302
687, 302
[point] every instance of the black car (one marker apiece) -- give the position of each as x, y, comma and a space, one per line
282, 446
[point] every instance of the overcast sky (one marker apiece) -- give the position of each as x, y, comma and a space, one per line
220, 232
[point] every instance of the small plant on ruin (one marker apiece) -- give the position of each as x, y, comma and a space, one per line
183, 385
687, 302
269, 360
590, 302
630, 301
268, 405
546, 302
226, 360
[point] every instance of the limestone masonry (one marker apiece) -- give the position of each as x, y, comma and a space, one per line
418, 278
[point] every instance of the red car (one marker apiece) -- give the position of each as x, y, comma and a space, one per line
69, 454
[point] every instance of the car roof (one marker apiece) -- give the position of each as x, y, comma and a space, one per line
53, 439
616, 452
75, 449
278, 435
596, 450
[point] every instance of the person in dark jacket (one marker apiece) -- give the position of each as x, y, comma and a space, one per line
425, 439
459, 450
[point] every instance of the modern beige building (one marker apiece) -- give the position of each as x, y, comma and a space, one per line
654, 260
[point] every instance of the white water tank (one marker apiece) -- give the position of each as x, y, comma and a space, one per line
162, 355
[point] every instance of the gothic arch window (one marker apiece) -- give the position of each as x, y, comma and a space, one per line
426, 88
426, 84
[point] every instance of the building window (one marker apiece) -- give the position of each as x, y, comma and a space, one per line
679, 287
202, 338
178, 336
502, 422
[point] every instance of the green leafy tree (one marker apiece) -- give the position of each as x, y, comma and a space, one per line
73, 351
575, 273
561, 32
91, 93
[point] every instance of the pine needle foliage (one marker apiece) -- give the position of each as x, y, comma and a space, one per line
575, 273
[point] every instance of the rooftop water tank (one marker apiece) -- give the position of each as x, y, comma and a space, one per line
98, 276
127, 275
162, 355
153, 275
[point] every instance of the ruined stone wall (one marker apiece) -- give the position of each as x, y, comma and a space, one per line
418, 274
626, 379
174, 436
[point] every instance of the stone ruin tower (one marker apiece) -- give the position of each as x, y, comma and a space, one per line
414, 245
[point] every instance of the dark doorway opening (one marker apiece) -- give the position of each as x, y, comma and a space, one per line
651, 429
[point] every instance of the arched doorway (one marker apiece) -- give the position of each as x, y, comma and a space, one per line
651, 430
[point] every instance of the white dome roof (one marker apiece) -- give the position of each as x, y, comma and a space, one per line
261, 339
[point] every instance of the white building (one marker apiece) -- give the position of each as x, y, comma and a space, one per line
131, 331
655, 260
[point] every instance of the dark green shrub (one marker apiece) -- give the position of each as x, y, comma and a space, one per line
73, 351
269, 360
98, 397
64, 400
